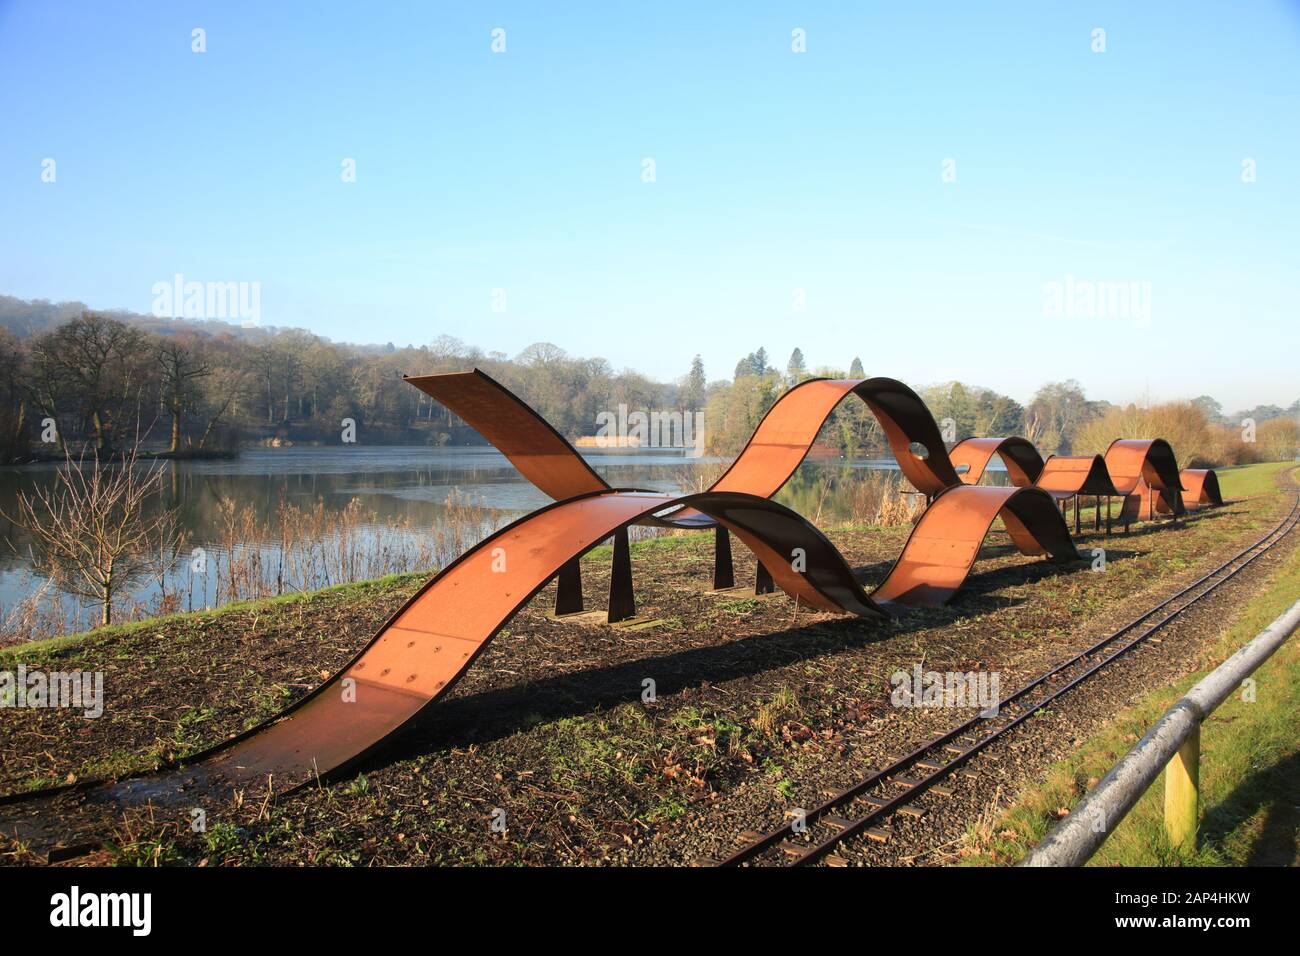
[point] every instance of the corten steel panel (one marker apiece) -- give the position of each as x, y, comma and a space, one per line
1145, 503
1021, 458
541, 454
788, 430
1201, 487
783, 437
422, 650
1130, 460
777, 447
945, 542
1065, 476
906, 419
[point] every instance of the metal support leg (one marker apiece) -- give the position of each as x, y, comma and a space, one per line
1096, 512
622, 604
763, 583
1076, 515
568, 588
724, 574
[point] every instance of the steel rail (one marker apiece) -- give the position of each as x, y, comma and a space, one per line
884, 808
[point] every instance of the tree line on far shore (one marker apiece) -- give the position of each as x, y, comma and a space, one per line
73, 380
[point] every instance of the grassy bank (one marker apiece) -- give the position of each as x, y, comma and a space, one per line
35, 653
761, 706
1238, 482
1250, 763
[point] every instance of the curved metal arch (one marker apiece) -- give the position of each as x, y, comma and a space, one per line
787, 432
776, 449
1130, 460
944, 544
510, 424
1023, 462
1201, 486
1065, 476
419, 654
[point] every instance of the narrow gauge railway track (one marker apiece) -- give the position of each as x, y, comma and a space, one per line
864, 808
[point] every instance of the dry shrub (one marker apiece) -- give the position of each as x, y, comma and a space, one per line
40, 614
312, 547
695, 478
900, 509
877, 498
1196, 442
1276, 439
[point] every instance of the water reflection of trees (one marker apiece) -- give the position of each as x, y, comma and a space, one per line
310, 518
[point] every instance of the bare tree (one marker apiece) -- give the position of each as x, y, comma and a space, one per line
91, 531
94, 364
182, 370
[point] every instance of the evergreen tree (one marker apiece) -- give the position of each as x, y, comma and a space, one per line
696, 384
795, 369
755, 363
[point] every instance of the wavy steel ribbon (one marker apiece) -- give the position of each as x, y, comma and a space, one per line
417, 656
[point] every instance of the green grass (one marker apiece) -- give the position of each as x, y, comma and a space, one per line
1245, 481
667, 542
1250, 762
1238, 481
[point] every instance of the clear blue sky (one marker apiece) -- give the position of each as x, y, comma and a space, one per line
776, 171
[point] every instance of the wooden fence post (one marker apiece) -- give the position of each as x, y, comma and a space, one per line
1182, 792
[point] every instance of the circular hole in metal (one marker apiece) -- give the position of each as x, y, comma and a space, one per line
918, 450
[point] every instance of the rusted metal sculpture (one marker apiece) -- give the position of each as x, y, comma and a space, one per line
1137, 470
780, 444
1200, 487
1065, 477
533, 446
768, 460
422, 650
1130, 460
1147, 503
945, 542
426, 646
1141, 468
971, 457
772, 454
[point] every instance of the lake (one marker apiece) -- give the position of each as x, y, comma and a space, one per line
356, 511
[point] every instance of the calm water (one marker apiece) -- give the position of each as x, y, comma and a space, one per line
397, 484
